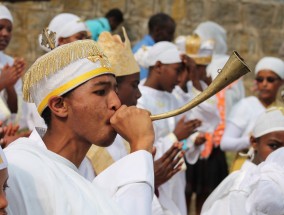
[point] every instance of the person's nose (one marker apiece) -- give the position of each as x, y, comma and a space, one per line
3, 201
5, 32
114, 102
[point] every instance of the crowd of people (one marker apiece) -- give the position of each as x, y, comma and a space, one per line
78, 138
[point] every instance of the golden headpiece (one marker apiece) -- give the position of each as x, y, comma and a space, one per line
63, 69
119, 53
194, 47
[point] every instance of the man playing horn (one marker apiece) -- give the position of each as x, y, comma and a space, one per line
75, 91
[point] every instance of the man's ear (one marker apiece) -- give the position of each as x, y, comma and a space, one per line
254, 143
58, 106
157, 67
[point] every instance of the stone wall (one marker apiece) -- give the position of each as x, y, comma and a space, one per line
255, 27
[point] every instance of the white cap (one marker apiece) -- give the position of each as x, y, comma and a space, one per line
269, 121
271, 63
5, 13
267, 186
165, 52
63, 69
64, 25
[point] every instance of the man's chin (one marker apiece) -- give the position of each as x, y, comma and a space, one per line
108, 141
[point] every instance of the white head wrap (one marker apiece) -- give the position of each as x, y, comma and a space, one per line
165, 52
5, 13
212, 31
267, 186
269, 121
64, 25
271, 63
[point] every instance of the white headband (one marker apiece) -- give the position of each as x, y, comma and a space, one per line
5, 13
269, 121
271, 63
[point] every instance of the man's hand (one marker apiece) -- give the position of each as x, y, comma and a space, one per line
200, 139
135, 126
169, 164
185, 128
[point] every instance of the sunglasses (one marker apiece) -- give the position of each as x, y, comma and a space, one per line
268, 79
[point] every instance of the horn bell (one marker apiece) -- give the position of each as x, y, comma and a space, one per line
234, 68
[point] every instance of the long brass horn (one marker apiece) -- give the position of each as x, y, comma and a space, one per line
234, 68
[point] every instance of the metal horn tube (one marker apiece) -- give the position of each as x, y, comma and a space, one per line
234, 68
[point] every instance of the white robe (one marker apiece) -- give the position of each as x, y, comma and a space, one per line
5, 114
159, 102
207, 112
240, 124
230, 196
42, 182
117, 151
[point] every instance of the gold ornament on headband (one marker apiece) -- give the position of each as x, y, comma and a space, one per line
100, 56
48, 38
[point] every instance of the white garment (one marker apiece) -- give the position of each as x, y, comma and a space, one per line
117, 149
159, 102
267, 186
42, 182
207, 111
240, 124
33, 118
5, 114
230, 196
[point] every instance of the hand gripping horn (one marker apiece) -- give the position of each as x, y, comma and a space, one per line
234, 68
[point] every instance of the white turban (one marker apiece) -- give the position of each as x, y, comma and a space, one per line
5, 13
212, 31
271, 63
65, 25
269, 121
267, 186
165, 52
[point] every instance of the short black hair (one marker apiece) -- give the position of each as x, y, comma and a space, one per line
115, 13
46, 115
159, 20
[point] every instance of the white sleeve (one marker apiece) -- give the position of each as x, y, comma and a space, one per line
192, 152
162, 144
232, 140
134, 185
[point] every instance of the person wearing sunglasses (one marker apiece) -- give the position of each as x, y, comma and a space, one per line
269, 73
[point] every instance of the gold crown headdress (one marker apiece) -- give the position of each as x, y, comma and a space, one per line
63, 69
200, 51
119, 54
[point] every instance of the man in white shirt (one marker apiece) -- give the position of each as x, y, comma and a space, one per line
74, 89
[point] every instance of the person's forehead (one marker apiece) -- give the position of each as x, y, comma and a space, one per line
5, 21
266, 72
107, 78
